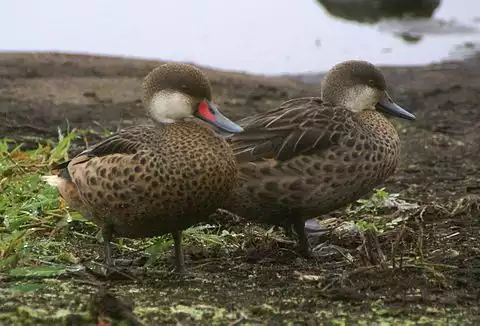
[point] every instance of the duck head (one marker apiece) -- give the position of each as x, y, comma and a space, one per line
359, 85
176, 91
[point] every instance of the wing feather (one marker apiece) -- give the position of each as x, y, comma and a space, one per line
298, 126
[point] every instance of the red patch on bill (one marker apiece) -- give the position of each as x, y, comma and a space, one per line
204, 111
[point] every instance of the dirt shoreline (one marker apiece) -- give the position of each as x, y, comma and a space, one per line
440, 164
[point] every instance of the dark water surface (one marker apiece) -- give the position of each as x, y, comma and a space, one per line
257, 36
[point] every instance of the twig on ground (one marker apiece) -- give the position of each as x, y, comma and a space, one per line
396, 245
419, 221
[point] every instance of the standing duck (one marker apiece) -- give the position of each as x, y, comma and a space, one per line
155, 179
316, 154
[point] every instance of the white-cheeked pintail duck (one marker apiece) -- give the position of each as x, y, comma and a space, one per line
155, 179
316, 154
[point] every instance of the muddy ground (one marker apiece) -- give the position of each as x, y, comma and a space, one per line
439, 169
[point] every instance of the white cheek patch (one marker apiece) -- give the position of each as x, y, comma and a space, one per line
359, 98
168, 106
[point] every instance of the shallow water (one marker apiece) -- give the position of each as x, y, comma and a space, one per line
268, 36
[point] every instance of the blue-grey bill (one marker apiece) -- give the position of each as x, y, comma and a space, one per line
225, 124
388, 106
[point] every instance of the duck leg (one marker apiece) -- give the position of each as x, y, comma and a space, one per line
288, 229
107, 235
179, 258
299, 227
112, 268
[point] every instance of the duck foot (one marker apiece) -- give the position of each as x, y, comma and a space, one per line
114, 269
316, 233
305, 251
105, 272
313, 227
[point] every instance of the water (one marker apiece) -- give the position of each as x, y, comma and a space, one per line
256, 36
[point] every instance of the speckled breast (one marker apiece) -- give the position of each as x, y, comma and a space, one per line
159, 190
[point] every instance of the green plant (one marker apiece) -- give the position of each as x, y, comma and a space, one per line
38, 233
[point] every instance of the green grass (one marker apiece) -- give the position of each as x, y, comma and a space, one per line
36, 223
30, 210
375, 213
